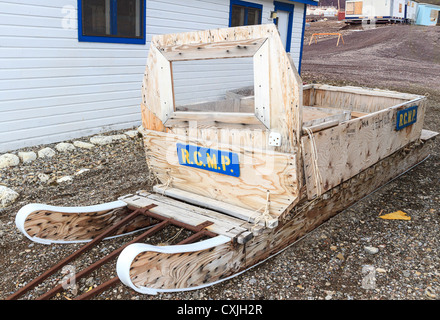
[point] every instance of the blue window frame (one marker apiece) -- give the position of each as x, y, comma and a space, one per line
113, 21
242, 13
281, 6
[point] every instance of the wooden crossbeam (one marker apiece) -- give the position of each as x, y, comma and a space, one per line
315, 35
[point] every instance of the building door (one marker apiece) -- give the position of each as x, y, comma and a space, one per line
284, 21
283, 25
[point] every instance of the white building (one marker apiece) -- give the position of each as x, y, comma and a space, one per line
380, 10
74, 68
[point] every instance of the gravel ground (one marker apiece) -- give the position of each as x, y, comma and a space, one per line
353, 256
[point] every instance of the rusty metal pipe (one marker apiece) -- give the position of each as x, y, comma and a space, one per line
83, 249
104, 260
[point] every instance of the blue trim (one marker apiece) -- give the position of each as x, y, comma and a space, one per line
113, 27
114, 17
289, 8
311, 2
375, 17
302, 39
246, 5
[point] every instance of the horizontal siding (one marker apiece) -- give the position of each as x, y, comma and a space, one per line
55, 88
295, 45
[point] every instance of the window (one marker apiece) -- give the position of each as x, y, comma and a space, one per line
244, 13
119, 21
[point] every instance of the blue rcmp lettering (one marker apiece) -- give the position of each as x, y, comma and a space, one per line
224, 162
406, 117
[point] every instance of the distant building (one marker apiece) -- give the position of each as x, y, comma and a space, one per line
357, 11
323, 11
428, 14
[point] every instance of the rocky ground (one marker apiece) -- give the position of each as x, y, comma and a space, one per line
353, 256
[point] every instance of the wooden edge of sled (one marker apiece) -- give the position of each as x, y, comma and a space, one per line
146, 268
48, 224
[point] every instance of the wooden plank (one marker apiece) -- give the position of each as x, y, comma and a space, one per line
222, 219
221, 227
216, 50
359, 99
241, 213
347, 149
320, 126
261, 172
313, 116
262, 84
165, 85
214, 119
150, 121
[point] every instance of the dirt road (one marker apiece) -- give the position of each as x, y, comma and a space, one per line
400, 57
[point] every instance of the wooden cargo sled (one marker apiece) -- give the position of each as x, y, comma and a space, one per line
245, 175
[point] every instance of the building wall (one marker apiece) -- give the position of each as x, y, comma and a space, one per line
54, 88
374, 8
424, 14
397, 5
412, 10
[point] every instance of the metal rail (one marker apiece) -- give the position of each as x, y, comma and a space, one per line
199, 232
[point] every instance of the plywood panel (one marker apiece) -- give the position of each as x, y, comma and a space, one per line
261, 172
349, 148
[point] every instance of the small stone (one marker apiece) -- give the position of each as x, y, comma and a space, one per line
43, 177
333, 248
371, 250
381, 270
64, 179
90, 281
81, 171
429, 292
132, 133
9, 160
46, 153
83, 145
118, 137
340, 256
253, 281
7, 196
101, 140
65, 147
27, 157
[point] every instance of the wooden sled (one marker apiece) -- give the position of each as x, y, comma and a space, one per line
254, 181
